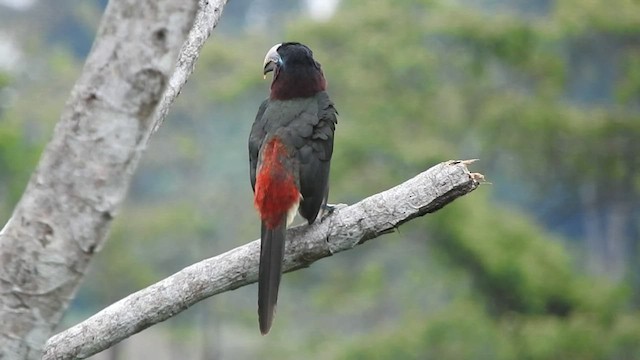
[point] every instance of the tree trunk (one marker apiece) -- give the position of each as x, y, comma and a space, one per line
64, 215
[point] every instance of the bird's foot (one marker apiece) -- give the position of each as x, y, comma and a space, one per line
329, 209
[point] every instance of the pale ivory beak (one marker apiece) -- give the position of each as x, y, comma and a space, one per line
271, 60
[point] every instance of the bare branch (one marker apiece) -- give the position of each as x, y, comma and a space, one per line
65, 213
345, 228
207, 17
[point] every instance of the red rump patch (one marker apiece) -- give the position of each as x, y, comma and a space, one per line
276, 191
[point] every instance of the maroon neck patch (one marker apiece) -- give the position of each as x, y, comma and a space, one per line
297, 82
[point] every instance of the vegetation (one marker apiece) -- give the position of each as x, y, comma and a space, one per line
542, 264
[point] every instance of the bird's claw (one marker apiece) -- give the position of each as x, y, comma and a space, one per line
329, 209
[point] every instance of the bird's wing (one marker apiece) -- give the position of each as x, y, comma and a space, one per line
306, 126
256, 137
316, 131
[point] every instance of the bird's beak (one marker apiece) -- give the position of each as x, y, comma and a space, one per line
271, 60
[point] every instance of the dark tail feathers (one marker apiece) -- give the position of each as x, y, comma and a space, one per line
270, 272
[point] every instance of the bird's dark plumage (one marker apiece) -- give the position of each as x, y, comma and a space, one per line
290, 148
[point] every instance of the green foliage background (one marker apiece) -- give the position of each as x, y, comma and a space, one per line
542, 264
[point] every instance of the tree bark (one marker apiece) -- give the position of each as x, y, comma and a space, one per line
65, 213
345, 228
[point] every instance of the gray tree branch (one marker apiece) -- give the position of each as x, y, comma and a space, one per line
345, 228
64, 215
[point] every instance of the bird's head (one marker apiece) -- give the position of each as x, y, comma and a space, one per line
286, 55
295, 73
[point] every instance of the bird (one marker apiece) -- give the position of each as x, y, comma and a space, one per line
290, 149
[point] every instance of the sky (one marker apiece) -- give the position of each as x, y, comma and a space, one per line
322, 9
18, 4
10, 53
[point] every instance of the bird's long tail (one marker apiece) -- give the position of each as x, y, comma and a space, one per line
270, 272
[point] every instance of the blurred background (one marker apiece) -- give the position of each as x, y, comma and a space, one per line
542, 264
